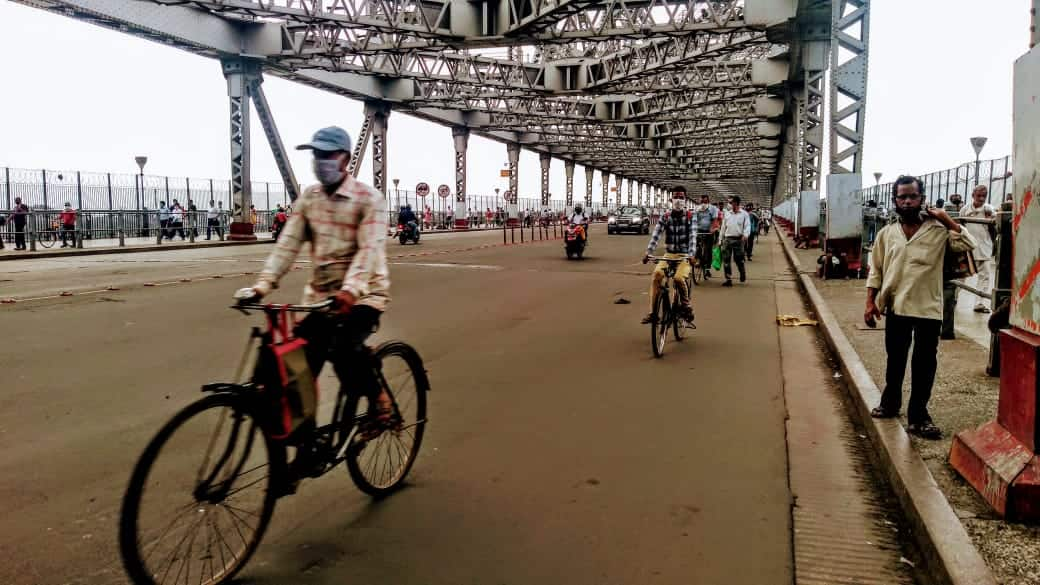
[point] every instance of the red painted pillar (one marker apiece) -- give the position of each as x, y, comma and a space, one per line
999, 458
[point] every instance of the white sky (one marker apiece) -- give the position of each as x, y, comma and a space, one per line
80, 97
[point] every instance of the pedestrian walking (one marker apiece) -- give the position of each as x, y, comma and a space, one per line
736, 229
68, 225
983, 234
213, 221
176, 220
753, 216
164, 221
19, 217
905, 286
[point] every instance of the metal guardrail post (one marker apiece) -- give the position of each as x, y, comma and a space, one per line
122, 229
191, 227
1001, 279
29, 231
159, 229
78, 234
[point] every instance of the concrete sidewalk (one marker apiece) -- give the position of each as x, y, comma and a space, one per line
964, 397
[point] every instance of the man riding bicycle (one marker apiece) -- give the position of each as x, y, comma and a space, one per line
706, 215
680, 244
345, 222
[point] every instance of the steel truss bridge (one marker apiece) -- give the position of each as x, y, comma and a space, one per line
722, 96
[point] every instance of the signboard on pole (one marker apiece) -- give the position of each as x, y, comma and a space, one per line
422, 189
444, 191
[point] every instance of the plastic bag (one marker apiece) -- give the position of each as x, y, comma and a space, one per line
716, 258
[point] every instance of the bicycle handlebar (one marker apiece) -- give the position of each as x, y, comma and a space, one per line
662, 258
252, 305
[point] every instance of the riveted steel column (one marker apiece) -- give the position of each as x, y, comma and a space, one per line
461, 138
605, 177
850, 30
589, 172
545, 159
512, 195
629, 200
361, 144
274, 139
380, 114
568, 169
617, 189
238, 72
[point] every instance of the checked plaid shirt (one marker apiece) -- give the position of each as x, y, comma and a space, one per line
347, 232
680, 235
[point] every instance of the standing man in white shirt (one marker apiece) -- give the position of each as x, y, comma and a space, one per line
213, 221
736, 229
979, 209
906, 286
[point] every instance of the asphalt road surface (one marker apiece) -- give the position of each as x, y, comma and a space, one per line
558, 451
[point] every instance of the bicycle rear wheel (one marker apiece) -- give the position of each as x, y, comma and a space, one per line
379, 465
47, 239
659, 323
201, 496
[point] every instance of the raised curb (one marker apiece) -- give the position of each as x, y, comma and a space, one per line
948, 551
159, 248
124, 250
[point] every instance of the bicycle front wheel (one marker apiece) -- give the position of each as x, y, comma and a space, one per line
200, 497
659, 323
381, 455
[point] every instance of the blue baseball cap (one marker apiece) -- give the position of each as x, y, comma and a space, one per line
329, 139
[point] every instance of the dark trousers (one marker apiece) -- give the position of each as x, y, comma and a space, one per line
751, 243
19, 236
341, 340
899, 332
949, 307
176, 227
732, 249
705, 242
66, 232
211, 225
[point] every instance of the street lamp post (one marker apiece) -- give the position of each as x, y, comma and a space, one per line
397, 194
141, 161
977, 142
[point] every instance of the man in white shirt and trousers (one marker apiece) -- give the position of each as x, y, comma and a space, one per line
978, 208
905, 285
736, 229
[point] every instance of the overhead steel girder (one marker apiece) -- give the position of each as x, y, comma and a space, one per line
364, 26
722, 54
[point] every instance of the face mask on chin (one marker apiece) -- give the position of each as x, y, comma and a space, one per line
327, 171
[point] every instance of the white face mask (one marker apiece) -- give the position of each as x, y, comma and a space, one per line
327, 171
678, 204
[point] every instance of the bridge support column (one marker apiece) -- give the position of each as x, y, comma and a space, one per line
274, 139
617, 190
461, 138
629, 199
605, 177
545, 159
512, 194
589, 172
379, 113
568, 169
238, 72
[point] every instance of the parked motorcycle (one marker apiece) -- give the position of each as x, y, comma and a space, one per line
406, 232
574, 241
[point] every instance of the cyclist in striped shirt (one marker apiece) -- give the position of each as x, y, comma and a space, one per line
680, 241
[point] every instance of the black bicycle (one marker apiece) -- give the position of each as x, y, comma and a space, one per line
204, 490
667, 306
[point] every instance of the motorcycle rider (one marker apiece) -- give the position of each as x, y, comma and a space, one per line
680, 243
407, 217
579, 218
